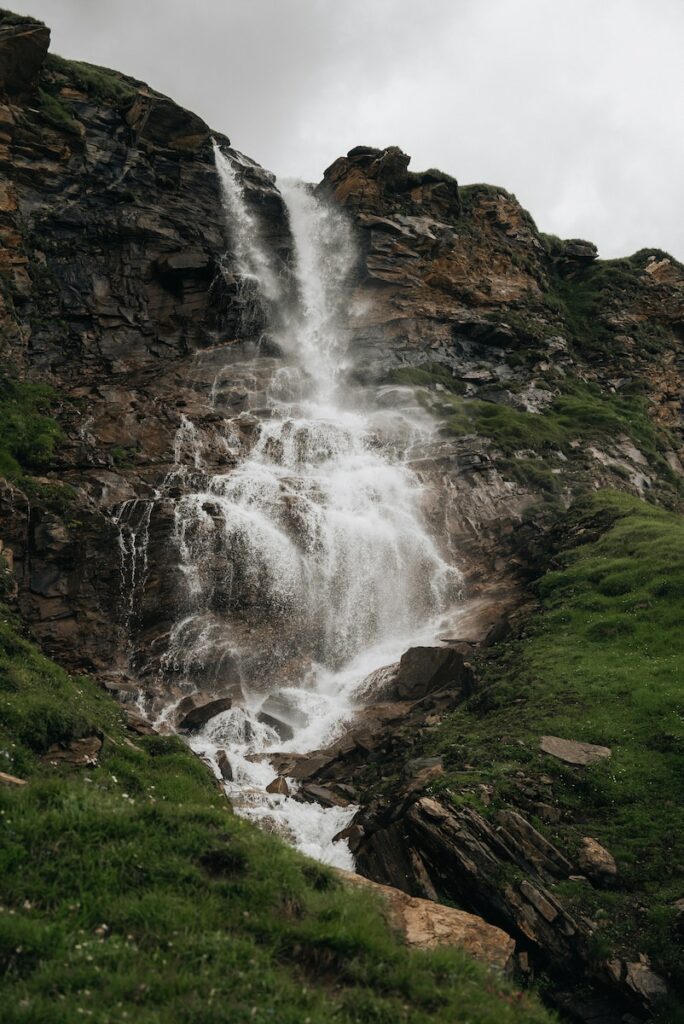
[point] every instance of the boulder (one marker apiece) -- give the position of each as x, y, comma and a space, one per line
24, 45
279, 786
312, 793
423, 670
224, 765
427, 925
193, 712
573, 751
644, 982
283, 707
596, 862
285, 731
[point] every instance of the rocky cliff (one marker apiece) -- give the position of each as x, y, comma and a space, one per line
552, 374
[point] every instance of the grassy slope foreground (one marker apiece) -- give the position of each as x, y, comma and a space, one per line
129, 891
602, 661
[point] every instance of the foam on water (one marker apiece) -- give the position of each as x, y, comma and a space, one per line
317, 536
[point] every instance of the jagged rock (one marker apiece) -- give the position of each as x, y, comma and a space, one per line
279, 785
79, 752
312, 793
280, 706
11, 780
353, 834
137, 724
645, 983
24, 45
158, 120
224, 765
285, 731
573, 751
596, 862
427, 925
423, 670
193, 712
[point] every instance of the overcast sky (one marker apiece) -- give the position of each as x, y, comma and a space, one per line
577, 106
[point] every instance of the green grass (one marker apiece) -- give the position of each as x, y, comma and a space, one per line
28, 433
602, 662
56, 113
129, 891
584, 298
582, 411
100, 83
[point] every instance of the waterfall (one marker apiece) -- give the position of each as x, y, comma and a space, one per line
309, 564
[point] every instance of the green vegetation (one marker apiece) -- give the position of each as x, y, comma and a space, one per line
101, 83
602, 662
28, 433
582, 411
427, 375
584, 298
56, 113
128, 891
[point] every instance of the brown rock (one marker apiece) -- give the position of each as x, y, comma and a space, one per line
192, 713
423, 670
11, 780
573, 751
353, 834
137, 724
224, 765
644, 982
23, 48
596, 862
426, 925
321, 795
285, 731
279, 785
81, 752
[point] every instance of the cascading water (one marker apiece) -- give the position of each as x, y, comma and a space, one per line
309, 564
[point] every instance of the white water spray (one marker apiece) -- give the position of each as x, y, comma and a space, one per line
309, 565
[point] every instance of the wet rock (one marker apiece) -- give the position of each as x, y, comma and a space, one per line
279, 785
285, 731
423, 670
353, 835
224, 765
83, 752
573, 751
427, 925
312, 793
193, 712
596, 862
137, 724
11, 780
283, 707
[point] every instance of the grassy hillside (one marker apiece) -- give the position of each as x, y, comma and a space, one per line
130, 892
601, 662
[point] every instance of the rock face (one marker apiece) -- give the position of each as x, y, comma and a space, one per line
23, 48
426, 925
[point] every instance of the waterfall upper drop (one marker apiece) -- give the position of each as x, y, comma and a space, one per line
307, 562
